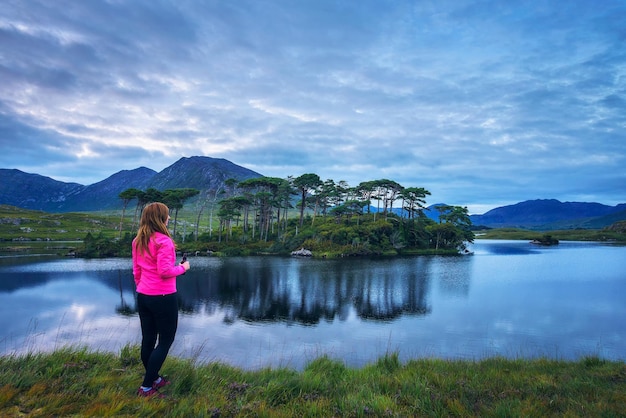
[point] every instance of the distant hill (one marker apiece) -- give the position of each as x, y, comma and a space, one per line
32, 191
105, 194
202, 173
432, 212
550, 214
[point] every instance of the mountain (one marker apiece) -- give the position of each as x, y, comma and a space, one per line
105, 193
432, 212
549, 214
202, 173
32, 191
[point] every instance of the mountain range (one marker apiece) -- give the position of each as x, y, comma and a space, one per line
551, 214
33, 191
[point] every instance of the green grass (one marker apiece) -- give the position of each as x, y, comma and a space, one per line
562, 235
77, 382
30, 225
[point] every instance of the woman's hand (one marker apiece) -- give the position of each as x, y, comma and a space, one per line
186, 265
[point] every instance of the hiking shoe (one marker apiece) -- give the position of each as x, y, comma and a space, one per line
150, 393
162, 383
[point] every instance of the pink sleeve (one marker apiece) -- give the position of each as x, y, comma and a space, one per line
136, 266
166, 258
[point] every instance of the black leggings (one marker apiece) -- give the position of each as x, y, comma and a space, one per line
159, 319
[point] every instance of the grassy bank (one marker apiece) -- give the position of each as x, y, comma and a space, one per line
599, 235
76, 382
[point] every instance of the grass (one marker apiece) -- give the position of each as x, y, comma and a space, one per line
600, 235
77, 382
30, 225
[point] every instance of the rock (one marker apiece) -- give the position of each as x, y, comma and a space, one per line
302, 253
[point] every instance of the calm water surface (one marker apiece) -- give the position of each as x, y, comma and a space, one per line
509, 299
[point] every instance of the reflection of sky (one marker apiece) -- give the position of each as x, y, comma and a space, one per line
494, 303
543, 305
60, 313
278, 344
527, 301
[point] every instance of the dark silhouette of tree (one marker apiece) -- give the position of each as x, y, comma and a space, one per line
209, 197
305, 184
143, 198
365, 190
443, 209
413, 200
284, 193
126, 196
175, 199
268, 194
388, 191
325, 195
454, 227
229, 208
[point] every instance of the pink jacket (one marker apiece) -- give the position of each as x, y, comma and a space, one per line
155, 272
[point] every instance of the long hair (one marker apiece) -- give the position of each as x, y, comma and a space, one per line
153, 219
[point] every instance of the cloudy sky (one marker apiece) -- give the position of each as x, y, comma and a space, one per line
483, 103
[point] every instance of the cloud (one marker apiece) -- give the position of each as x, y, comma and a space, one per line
482, 102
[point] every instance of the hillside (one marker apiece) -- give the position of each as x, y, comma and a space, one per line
202, 173
33, 191
550, 214
104, 194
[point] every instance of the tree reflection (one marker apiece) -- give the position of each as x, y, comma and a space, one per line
307, 291
123, 308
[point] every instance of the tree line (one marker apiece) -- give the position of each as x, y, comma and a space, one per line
173, 198
373, 217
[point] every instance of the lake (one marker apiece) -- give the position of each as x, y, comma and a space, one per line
510, 298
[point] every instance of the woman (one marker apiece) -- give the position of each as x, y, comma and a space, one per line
155, 272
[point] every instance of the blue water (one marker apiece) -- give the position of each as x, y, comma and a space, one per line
510, 298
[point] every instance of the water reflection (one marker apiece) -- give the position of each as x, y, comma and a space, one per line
454, 275
268, 289
124, 308
507, 248
509, 298
307, 291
